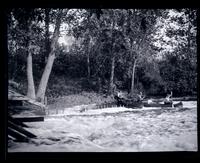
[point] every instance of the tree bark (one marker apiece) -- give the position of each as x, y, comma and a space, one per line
47, 42
99, 85
112, 74
88, 65
112, 63
133, 77
45, 76
31, 86
88, 50
189, 35
29, 68
88, 59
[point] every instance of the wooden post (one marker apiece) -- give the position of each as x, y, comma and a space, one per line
17, 122
29, 119
20, 130
17, 135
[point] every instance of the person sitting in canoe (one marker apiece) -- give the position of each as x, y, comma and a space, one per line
141, 96
168, 99
120, 95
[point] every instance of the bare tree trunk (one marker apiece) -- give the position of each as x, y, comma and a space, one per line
47, 42
88, 36
31, 86
99, 85
111, 87
133, 77
112, 75
88, 61
189, 35
29, 68
45, 76
88, 65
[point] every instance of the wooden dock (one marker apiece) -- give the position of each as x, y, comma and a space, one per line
22, 110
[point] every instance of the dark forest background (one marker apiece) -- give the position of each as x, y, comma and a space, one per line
108, 50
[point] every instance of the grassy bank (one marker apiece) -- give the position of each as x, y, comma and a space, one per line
82, 98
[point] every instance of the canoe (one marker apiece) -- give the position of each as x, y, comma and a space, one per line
179, 104
157, 105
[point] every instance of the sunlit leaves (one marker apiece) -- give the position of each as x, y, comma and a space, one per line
176, 29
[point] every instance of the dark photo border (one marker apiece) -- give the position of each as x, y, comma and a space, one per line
4, 155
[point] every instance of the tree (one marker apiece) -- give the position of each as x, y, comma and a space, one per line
178, 51
138, 27
111, 47
113, 40
31, 33
88, 31
90, 34
31, 85
24, 24
47, 41
45, 76
92, 31
112, 55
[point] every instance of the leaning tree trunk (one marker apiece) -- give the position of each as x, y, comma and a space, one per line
31, 86
45, 76
133, 77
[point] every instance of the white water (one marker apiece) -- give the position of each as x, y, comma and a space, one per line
124, 131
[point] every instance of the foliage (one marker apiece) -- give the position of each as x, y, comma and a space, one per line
99, 34
180, 75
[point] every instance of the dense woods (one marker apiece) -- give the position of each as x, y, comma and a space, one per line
133, 50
